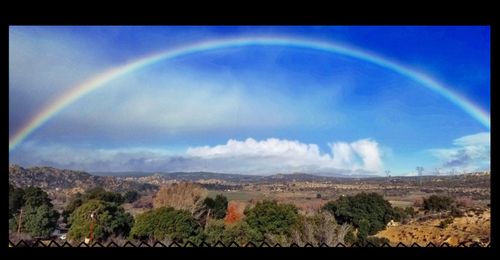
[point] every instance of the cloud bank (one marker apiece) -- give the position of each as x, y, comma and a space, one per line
471, 153
250, 156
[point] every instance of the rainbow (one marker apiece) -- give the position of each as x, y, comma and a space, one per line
99, 81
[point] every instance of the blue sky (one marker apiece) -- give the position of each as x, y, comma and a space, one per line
255, 110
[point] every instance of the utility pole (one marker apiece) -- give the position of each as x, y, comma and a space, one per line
420, 169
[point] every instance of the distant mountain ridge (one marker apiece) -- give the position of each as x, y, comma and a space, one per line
196, 176
50, 178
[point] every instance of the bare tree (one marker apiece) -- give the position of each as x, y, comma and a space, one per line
320, 228
184, 196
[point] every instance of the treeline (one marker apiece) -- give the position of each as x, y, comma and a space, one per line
183, 212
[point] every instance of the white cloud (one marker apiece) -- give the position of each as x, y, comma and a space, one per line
289, 156
250, 156
480, 139
471, 152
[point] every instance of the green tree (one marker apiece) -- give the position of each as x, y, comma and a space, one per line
367, 211
73, 204
100, 193
97, 193
110, 219
217, 206
166, 223
35, 197
269, 217
16, 200
39, 221
131, 196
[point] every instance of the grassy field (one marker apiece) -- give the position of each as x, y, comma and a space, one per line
236, 195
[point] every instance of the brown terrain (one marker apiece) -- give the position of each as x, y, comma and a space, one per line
474, 227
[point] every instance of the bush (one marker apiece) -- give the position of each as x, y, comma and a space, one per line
369, 212
110, 219
232, 215
456, 212
446, 222
214, 231
242, 233
166, 223
269, 217
99, 193
419, 202
130, 196
320, 228
410, 211
403, 215
376, 241
438, 203
464, 201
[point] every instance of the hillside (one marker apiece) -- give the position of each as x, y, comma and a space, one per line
50, 179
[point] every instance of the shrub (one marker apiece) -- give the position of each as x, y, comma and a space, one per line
320, 228
464, 201
438, 203
456, 212
100, 193
166, 223
130, 196
269, 217
419, 202
214, 231
369, 212
232, 215
242, 233
376, 241
410, 211
446, 222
